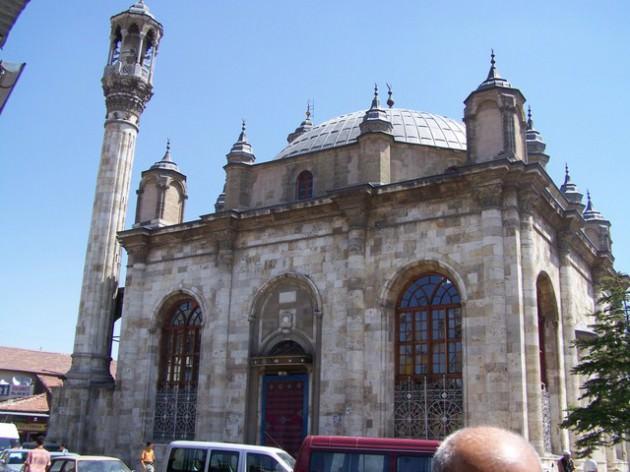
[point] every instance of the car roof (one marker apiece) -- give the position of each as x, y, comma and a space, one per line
224, 445
88, 458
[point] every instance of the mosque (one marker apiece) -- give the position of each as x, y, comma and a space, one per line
390, 272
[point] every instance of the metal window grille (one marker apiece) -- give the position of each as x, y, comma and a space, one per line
429, 409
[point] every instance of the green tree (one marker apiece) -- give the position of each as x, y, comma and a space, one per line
604, 417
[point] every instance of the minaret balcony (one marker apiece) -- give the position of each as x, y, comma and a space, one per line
136, 70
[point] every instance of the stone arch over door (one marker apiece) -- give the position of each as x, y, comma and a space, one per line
549, 359
284, 352
425, 400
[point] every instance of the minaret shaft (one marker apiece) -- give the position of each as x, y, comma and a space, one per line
102, 260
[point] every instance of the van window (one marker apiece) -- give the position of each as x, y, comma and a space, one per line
262, 463
186, 460
348, 462
224, 461
413, 464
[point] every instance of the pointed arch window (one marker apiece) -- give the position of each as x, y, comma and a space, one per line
428, 350
304, 185
176, 401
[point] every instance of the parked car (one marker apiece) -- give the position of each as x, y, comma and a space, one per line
8, 435
200, 456
78, 463
347, 453
12, 460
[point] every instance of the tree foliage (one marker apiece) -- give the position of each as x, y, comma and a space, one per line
603, 417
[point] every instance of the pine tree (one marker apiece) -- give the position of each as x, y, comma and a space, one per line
604, 417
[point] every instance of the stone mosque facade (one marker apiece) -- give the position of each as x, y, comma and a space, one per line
390, 273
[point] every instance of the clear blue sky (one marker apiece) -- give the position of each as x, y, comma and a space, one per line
221, 61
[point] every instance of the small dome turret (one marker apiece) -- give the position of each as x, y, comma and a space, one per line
241, 150
376, 119
161, 194
535, 142
597, 227
570, 190
305, 126
590, 213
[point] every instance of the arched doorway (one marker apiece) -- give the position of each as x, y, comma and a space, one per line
283, 380
428, 397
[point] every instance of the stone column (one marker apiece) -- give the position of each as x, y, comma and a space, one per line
530, 314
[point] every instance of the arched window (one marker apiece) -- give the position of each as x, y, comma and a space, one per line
147, 49
176, 402
115, 53
304, 185
428, 350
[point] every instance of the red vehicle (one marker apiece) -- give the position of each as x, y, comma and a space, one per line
358, 454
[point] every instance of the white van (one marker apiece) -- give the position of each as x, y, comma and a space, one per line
201, 456
8, 435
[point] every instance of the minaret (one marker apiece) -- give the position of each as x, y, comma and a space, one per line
127, 86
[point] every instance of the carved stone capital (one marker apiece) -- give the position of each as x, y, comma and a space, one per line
126, 94
527, 201
489, 195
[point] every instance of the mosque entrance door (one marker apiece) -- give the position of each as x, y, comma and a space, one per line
284, 375
284, 411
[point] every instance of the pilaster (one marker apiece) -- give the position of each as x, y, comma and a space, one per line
530, 313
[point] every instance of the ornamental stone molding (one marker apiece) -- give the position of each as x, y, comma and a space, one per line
489, 195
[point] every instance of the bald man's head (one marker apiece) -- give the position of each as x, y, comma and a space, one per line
485, 449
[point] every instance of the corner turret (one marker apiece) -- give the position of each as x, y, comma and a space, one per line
237, 174
161, 194
495, 120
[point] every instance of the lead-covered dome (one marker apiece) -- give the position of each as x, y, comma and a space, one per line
409, 126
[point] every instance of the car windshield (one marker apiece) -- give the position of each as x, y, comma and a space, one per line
102, 465
287, 458
16, 458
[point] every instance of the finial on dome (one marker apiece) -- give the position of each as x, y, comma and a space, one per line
390, 100
375, 101
167, 154
305, 126
242, 138
530, 122
494, 79
167, 161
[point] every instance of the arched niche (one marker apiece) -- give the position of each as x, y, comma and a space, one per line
285, 332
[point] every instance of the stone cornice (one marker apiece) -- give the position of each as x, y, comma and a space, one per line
535, 189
